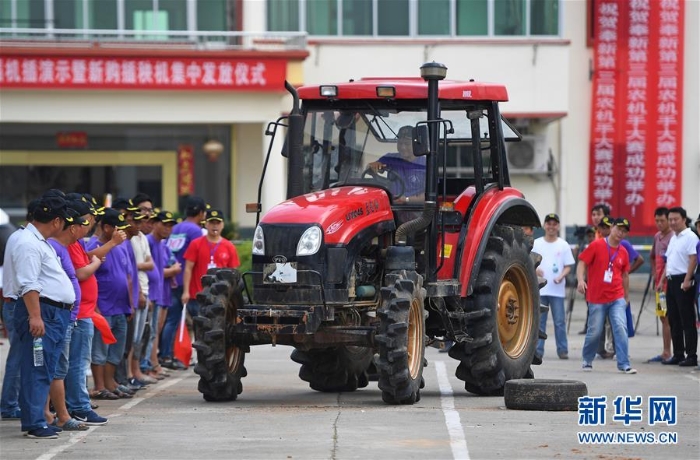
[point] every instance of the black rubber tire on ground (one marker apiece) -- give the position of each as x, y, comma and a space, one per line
506, 316
401, 338
336, 369
543, 394
220, 361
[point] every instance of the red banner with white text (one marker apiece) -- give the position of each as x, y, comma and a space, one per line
636, 125
142, 73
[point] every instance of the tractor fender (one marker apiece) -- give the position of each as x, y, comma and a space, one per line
494, 206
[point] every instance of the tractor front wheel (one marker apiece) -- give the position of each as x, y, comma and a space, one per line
401, 338
220, 361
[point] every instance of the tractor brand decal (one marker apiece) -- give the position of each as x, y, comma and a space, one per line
334, 227
447, 251
354, 213
279, 259
467, 94
372, 206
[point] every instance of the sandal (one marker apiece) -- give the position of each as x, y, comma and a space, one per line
105, 394
73, 425
122, 395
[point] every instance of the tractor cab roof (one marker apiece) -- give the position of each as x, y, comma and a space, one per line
405, 88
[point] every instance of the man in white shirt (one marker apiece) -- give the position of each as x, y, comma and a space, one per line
681, 260
557, 260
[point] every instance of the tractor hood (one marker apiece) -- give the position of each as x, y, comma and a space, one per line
341, 212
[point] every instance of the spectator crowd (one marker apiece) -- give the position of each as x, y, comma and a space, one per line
101, 291
602, 275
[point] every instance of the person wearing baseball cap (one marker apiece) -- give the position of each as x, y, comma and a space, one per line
557, 260
209, 251
182, 235
33, 276
114, 300
159, 291
75, 228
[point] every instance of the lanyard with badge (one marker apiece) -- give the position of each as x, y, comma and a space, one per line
608, 275
212, 264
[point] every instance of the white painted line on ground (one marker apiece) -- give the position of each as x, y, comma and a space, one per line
692, 377
74, 438
81, 435
458, 442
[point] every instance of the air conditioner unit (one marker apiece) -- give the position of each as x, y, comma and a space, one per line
529, 156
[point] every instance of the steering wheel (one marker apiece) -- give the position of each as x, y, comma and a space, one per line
392, 177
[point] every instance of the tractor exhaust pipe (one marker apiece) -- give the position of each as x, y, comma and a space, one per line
295, 138
412, 226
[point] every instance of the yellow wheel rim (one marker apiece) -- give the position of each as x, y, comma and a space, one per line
415, 338
515, 312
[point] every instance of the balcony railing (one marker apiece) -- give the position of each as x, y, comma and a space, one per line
184, 39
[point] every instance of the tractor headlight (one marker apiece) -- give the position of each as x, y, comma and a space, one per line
258, 242
310, 242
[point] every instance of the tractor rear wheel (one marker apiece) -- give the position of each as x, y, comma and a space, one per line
220, 361
401, 338
506, 330
337, 369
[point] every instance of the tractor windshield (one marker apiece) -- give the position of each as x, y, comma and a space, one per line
365, 144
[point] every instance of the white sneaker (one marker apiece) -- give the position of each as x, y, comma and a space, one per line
629, 370
587, 367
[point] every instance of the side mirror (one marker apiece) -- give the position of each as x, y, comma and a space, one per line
421, 141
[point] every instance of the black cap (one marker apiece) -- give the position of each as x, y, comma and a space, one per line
590, 229
138, 216
54, 192
123, 203
622, 222
605, 222
50, 207
215, 214
195, 204
81, 206
551, 216
73, 217
165, 217
114, 218
99, 210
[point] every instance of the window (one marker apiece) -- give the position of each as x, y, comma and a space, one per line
322, 17
472, 17
68, 14
283, 16
31, 14
212, 15
544, 17
392, 17
102, 14
357, 17
509, 17
434, 17
408, 18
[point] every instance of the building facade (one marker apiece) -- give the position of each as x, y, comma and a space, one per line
118, 137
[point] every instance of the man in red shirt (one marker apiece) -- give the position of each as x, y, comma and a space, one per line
209, 251
606, 290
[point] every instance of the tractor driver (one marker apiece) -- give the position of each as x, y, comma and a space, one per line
407, 167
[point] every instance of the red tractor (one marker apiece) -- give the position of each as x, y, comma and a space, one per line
376, 254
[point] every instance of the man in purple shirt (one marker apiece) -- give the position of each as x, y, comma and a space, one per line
70, 234
159, 285
181, 237
114, 303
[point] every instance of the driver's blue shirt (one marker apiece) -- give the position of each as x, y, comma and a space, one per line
412, 173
